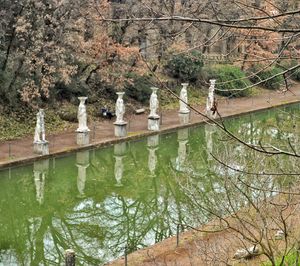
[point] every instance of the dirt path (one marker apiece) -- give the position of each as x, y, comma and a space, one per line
13, 152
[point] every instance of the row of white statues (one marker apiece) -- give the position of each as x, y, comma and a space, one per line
41, 145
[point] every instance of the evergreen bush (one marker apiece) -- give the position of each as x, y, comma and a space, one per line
294, 74
68, 113
138, 87
258, 75
231, 80
186, 67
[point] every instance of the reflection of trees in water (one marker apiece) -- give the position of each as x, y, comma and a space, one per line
227, 188
97, 230
84, 210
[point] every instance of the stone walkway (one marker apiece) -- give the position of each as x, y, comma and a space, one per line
102, 133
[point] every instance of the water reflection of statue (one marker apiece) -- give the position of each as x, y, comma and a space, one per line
183, 99
153, 103
209, 131
183, 135
120, 108
152, 143
82, 115
40, 168
39, 180
152, 160
119, 154
82, 163
119, 168
39, 135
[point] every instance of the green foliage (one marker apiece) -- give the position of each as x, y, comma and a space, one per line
20, 124
294, 74
68, 113
138, 87
8, 96
263, 74
230, 80
289, 259
186, 67
61, 91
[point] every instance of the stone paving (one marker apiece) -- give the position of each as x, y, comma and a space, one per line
102, 133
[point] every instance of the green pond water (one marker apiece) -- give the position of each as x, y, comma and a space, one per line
135, 193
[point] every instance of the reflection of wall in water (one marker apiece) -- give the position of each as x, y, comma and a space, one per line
82, 163
40, 169
119, 154
152, 144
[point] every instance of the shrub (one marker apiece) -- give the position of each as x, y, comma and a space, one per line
185, 67
138, 87
294, 74
264, 74
68, 113
62, 91
230, 80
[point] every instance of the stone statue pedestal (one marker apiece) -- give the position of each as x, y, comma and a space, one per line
120, 129
184, 111
41, 147
184, 118
153, 123
82, 138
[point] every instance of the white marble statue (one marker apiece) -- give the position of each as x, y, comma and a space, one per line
82, 116
39, 135
120, 108
183, 99
210, 102
153, 102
